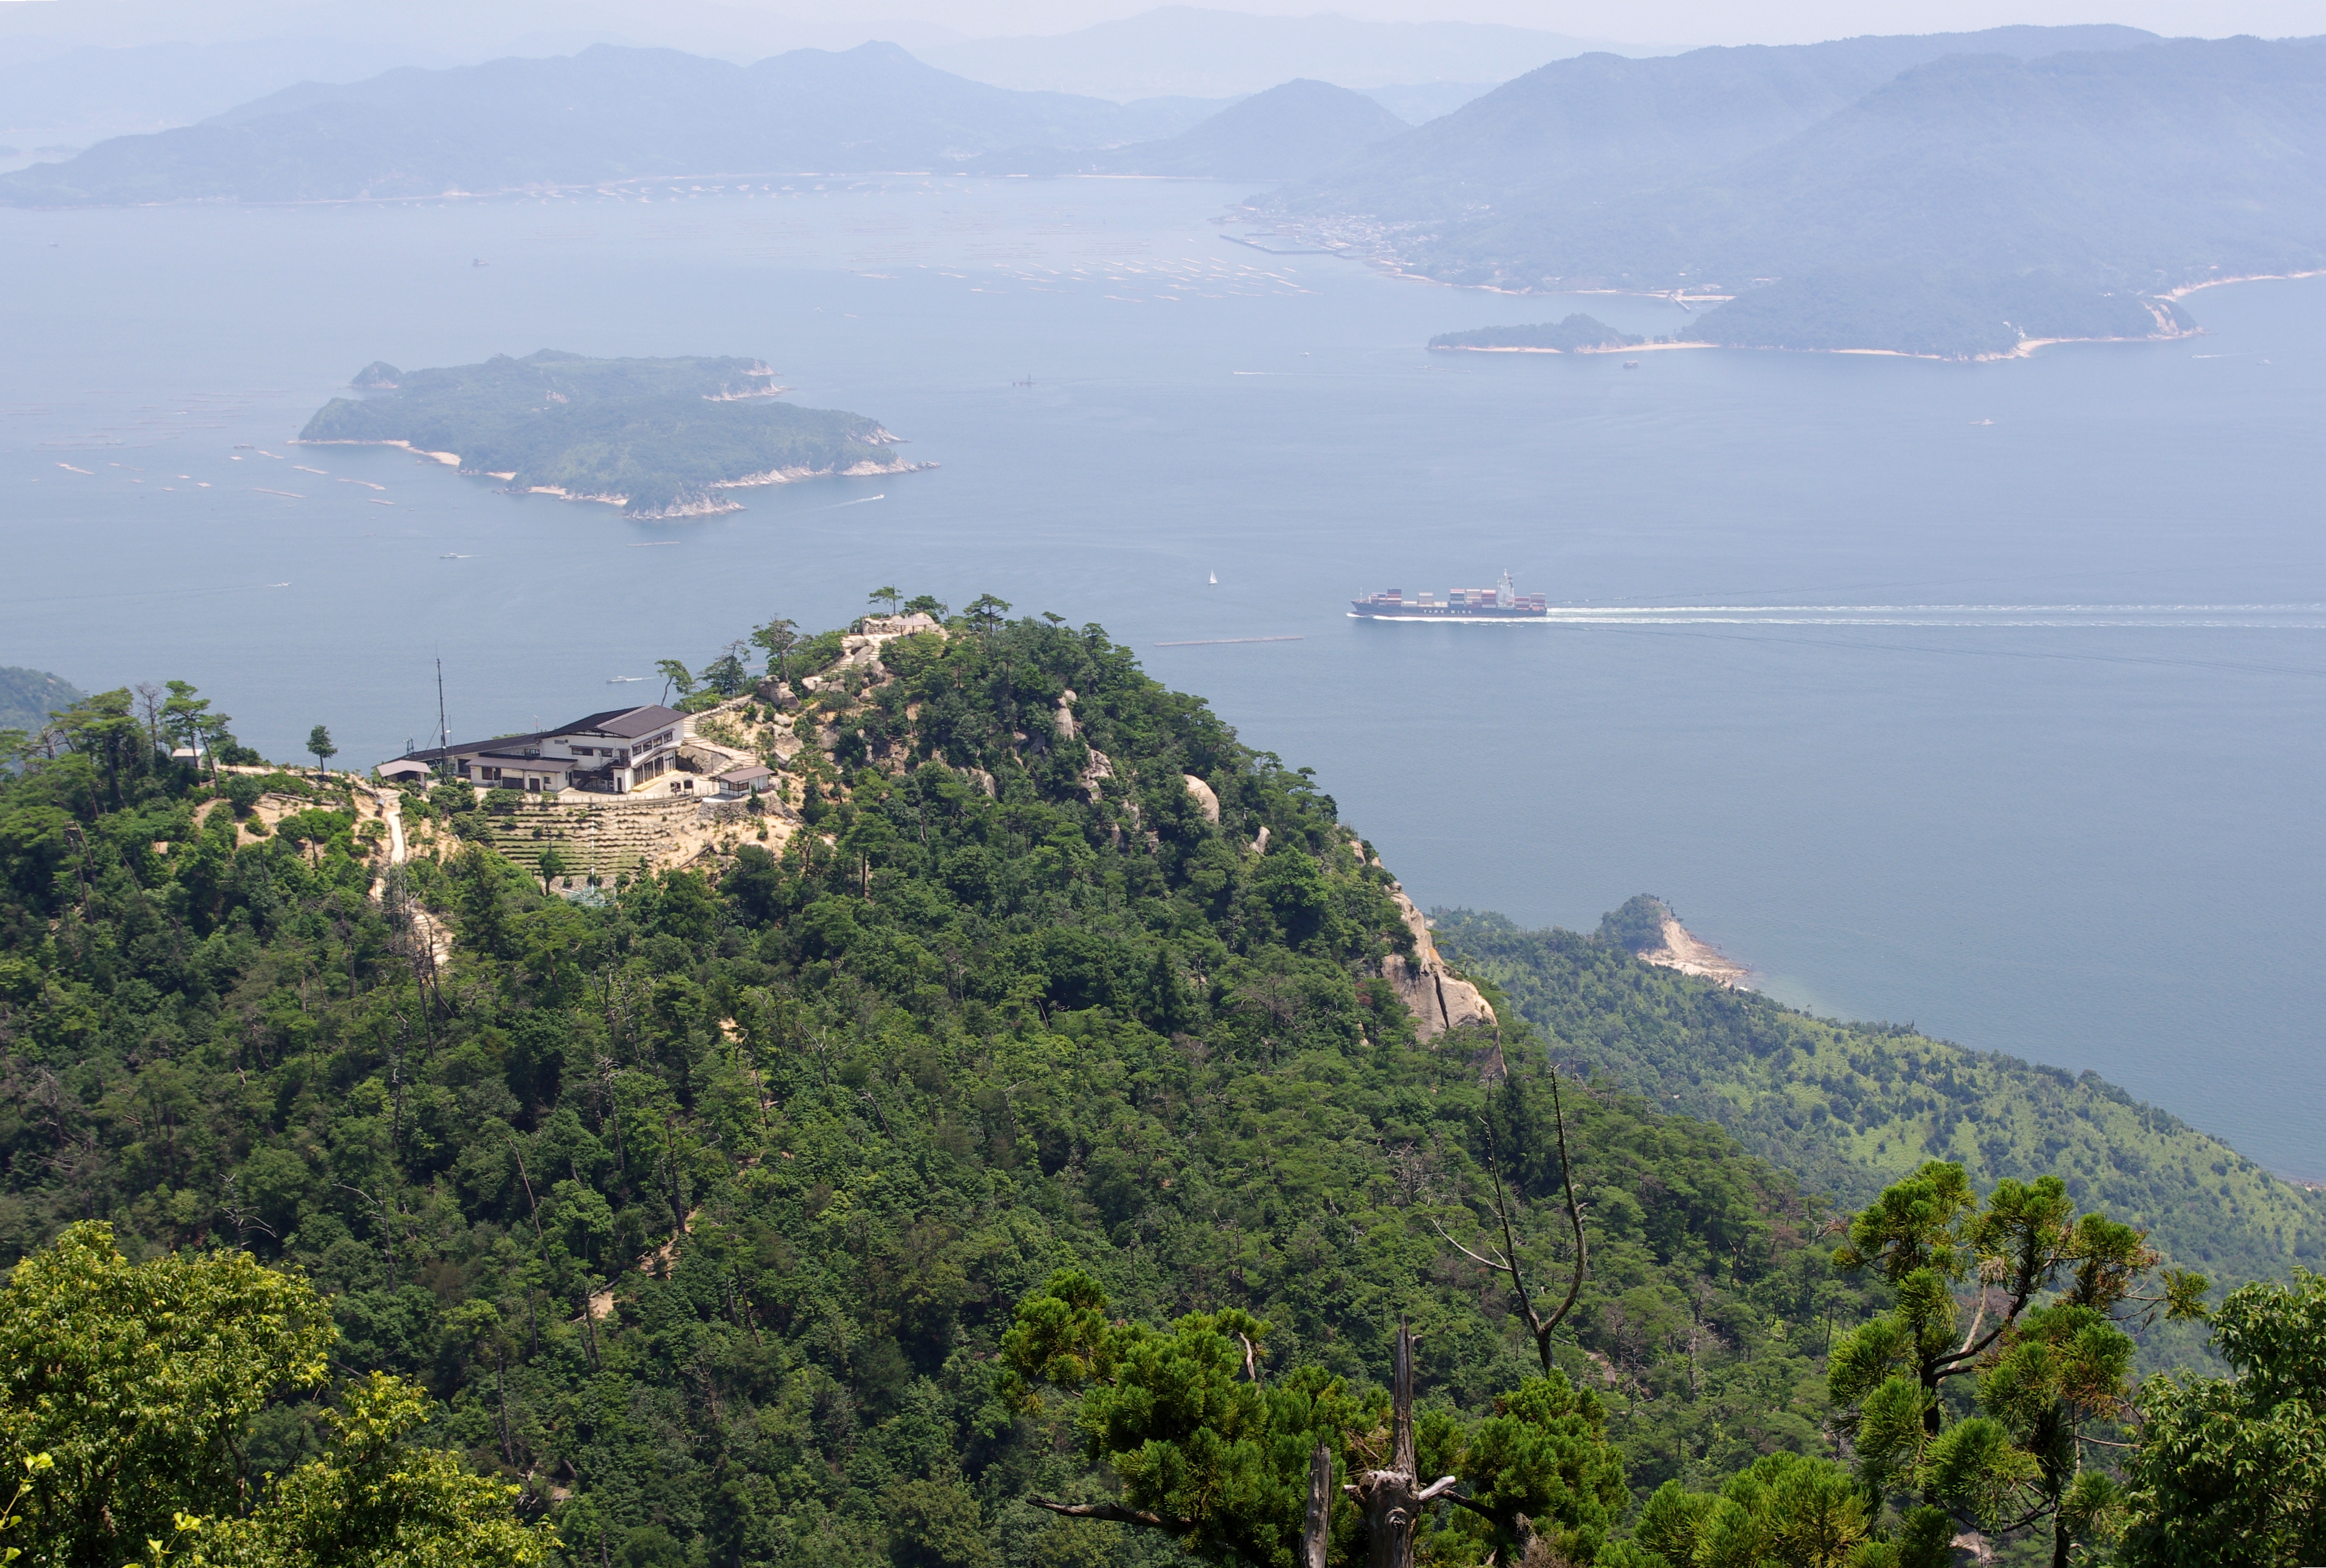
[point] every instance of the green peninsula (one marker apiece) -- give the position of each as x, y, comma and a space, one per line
1577, 335
661, 438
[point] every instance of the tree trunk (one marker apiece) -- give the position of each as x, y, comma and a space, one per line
1316, 1533
1393, 1497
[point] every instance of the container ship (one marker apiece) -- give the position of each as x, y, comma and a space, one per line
1501, 602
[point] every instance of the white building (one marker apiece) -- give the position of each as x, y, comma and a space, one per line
613, 752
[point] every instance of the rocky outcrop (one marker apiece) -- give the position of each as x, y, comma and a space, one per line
861, 649
1438, 999
881, 628
1098, 769
1209, 802
1063, 721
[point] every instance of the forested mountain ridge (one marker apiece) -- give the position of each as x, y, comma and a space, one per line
706, 1205
849, 1105
1852, 1107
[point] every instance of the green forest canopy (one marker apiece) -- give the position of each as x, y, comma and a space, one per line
704, 1209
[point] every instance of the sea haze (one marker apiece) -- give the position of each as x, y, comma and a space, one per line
1983, 695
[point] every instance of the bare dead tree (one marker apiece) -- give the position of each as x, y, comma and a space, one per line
243, 1220
517, 1147
1507, 1261
1393, 1496
1316, 1528
387, 1219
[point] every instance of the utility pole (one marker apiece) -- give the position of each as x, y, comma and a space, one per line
443, 730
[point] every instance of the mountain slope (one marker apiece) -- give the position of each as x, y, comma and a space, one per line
1851, 1107
2134, 169
1290, 132
28, 697
1957, 195
702, 1198
516, 123
1594, 129
999, 993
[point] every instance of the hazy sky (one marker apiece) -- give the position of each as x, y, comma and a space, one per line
836, 21
1688, 21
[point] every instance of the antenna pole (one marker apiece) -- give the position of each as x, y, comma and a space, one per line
443, 730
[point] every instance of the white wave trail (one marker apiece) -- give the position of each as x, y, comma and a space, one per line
2231, 617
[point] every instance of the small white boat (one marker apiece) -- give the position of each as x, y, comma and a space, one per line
1216, 580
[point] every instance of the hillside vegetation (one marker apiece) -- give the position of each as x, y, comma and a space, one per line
706, 1203
27, 697
1851, 1107
662, 437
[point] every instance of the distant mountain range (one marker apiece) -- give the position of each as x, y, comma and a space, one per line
1293, 132
1190, 50
1950, 195
522, 123
87, 93
1290, 132
77, 71
514, 123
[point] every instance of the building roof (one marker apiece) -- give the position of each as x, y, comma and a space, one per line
628, 724
623, 723
751, 773
474, 747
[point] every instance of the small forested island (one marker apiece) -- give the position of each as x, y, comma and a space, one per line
1934, 314
1021, 1122
1577, 335
660, 438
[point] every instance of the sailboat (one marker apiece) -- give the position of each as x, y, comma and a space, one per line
1216, 579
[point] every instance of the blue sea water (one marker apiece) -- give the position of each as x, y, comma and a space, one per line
1986, 697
